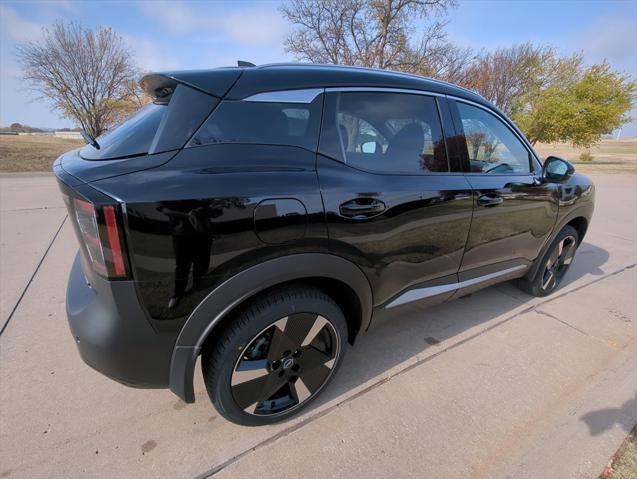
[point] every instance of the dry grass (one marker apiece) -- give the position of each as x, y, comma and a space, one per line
37, 153
624, 463
32, 153
610, 156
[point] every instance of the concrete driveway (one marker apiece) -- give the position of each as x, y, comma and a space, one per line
494, 385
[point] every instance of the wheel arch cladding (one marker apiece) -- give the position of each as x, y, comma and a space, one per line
578, 218
580, 224
338, 277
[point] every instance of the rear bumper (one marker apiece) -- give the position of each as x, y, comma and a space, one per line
113, 334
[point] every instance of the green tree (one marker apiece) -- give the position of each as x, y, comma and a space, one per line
551, 97
577, 108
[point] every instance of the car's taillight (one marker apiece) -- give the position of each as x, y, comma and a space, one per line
113, 240
101, 235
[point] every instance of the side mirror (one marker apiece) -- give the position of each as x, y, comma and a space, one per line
368, 147
557, 169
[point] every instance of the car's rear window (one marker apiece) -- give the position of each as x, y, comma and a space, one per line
261, 122
155, 128
131, 138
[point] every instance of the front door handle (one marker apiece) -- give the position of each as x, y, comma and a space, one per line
362, 208
490, 200
535, 181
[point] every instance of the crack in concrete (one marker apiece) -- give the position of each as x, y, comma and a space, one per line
539, 311
36, 208
286, 432
630, 240
37, 268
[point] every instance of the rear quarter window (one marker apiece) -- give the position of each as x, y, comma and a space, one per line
263, 122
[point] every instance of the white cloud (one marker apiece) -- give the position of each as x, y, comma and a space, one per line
257, 27
176, 16
16, 28
150, 55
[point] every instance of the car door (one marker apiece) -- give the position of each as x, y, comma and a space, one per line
392, 206
514, 212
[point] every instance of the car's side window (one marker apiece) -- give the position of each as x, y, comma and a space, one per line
391, 132
262, 122
492, 146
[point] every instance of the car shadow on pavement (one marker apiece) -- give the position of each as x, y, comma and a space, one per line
422, 331
601, 420
588, 260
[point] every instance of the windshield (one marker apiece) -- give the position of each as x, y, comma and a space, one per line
130, 138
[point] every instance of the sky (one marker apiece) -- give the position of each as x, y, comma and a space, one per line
206, 34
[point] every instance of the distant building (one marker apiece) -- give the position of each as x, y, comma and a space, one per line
75, 135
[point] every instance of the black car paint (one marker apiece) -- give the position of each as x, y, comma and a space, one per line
262, 215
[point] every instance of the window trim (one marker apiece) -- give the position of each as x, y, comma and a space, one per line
358, 89
306, 95
372, 89
534, 162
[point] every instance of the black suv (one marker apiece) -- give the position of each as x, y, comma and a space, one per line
262, 216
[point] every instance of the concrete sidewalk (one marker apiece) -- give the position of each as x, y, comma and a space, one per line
31, 211
493, 385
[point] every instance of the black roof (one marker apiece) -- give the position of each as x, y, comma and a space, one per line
241, 82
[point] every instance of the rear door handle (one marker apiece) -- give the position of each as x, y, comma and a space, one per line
490, 200
362, 208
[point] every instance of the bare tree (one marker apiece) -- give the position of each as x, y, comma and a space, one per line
131, 99
506, 74
86, 74
371, 33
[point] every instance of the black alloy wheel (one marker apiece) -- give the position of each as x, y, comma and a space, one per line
554, 264
275, 356
558, 262
285, 364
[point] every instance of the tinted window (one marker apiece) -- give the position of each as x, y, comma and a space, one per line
492, 146
130, 138
391, 132
186, 111
155, 128
262, 122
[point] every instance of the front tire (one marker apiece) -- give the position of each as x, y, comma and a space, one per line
275, 357
554, 264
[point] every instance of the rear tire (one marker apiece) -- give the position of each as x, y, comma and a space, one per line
553, 265
276, 355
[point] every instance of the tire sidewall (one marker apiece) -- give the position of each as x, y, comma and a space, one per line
537, 281
221, 392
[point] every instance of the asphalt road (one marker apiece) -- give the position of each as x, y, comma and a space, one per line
494, 385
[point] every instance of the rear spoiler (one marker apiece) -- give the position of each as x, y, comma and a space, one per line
214, 82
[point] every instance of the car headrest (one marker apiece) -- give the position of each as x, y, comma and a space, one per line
408, 142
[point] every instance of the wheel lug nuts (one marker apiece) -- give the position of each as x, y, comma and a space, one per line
296, 353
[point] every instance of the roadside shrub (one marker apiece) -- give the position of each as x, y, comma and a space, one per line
586, 156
